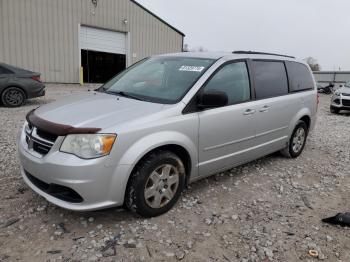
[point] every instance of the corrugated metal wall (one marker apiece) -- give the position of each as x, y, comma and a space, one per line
43, 35
340, 77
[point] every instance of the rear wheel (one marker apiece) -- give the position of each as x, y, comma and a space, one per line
334, 110
297, 141
13, 97
156, 184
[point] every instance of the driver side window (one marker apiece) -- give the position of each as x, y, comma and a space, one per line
233, 79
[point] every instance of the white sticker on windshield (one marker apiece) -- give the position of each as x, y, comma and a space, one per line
191, 68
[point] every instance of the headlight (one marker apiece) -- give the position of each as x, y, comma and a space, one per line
88, 146
337, 93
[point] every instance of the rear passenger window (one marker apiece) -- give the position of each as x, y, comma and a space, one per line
300, 78
4, 71
233, 79
270, 79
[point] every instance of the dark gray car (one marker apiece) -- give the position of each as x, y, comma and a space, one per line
17, 85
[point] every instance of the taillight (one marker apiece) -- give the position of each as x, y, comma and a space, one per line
36, 78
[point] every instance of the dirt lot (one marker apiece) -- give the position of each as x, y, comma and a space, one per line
257, 212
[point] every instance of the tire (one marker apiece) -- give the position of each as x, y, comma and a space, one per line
156, 184
334, 110
297, 141
13, 97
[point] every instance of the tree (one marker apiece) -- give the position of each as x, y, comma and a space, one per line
199, 49
313, 63
186, 48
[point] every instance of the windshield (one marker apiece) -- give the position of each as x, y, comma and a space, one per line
160, 79
347, 84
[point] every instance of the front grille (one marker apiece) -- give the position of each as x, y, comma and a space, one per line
346, 102
46, 135
38, 140
61, 192
41, 148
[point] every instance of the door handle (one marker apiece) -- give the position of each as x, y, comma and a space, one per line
264, 109
249, 112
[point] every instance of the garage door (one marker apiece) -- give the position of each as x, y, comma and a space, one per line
102, 40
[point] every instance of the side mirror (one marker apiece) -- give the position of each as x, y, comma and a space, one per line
341, 86
212, 99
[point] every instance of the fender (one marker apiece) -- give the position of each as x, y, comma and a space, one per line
145, 145
301, 113
152, 141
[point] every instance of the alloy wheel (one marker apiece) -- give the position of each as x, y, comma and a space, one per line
161, 185
298, 140
14, 97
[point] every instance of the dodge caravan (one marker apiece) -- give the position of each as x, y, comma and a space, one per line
164, 122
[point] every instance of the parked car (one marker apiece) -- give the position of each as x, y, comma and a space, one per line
328, 89
165, 122
17, 85
341, 99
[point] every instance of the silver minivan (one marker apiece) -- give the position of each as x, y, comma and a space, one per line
165, 122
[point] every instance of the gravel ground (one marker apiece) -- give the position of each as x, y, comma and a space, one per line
267, 210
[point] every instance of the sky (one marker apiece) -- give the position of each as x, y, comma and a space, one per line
302, 28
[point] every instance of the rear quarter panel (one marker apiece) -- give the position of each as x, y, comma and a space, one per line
3, 82
28, 85
307, 107
309, 103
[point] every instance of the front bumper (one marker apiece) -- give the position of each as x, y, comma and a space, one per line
99, 182
341, 102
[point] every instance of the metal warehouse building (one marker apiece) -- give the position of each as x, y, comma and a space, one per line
335, 77
58, 37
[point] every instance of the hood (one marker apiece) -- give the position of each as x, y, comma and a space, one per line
95, 110
344, 89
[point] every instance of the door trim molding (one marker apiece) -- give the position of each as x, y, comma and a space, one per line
271, 131
229, 143
242, 151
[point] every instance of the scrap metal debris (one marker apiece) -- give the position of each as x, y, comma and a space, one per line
9, 222
78, 238
149, 251
111, 244
306, 201
342, 219
52, 252
313, 253
62, 227
22, 189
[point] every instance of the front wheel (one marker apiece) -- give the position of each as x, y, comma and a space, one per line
156, 184
297, 141
334, 110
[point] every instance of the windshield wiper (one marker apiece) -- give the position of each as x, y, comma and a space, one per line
125, 94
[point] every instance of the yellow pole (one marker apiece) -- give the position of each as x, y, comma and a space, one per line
81, 76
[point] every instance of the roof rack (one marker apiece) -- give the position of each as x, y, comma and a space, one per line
260, 53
